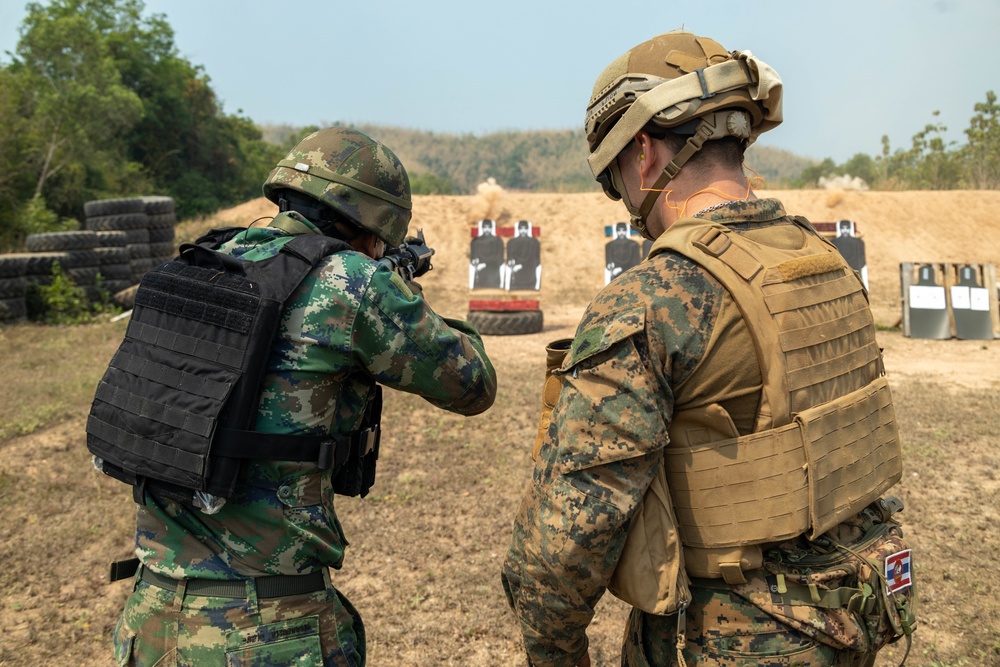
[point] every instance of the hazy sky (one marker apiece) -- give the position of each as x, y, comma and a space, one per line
852, 70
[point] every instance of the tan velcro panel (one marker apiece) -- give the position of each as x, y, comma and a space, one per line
854, 453
805, 477
746, 490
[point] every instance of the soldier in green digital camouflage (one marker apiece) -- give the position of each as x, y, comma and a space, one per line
250, 584
716, 438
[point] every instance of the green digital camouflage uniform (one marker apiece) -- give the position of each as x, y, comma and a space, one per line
350, 322
640, 339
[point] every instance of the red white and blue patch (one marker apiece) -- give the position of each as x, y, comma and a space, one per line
897, 571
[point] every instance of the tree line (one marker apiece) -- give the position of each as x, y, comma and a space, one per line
541, 161
930, 162
95, 102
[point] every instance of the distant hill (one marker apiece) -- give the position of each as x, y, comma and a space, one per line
532, 161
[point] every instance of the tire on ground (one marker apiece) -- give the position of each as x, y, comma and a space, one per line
101, 207
13, 288
13, 266
80, 240
506, 322
157, 204
120, 222
12, 309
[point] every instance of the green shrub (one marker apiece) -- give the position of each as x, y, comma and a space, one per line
62, 302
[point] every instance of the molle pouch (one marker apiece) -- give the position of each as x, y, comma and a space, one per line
294, 642
555, 352
856, 596
357, 474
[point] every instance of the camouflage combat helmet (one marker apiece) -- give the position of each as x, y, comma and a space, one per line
358, 177
683, 82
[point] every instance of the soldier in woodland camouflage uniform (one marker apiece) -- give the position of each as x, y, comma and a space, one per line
352, 322
666, 340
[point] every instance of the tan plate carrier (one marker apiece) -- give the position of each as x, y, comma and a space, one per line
825, 443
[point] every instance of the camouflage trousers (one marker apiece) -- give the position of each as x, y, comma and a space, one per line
166, 628
723, 629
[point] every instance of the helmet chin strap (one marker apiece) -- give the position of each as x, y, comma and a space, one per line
638, 217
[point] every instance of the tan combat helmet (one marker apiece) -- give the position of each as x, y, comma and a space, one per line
680, 81
356, 176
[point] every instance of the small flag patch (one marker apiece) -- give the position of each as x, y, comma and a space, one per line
897, 571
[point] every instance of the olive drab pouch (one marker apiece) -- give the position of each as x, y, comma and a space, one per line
851, 589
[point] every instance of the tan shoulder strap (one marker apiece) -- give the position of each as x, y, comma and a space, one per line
730, 259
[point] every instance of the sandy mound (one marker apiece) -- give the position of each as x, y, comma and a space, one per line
951, 226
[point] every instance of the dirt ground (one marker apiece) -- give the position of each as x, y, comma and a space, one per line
427, 543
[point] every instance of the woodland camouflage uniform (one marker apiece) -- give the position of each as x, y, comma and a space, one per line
352, 322
721, 402
636, 350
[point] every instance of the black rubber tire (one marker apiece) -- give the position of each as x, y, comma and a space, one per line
156, 204
162, 221
506, 322
113, 255
113, 239
13, 288
103, 207
40, 263
12, 266
82, 240
122, 222
139, 251
134, 236
117, 272
141, 266
12, 309
84, 275
161, 234
165, 249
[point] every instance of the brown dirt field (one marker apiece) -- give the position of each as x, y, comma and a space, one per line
428, 542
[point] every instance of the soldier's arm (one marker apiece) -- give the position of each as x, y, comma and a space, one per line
601, 451
597, 460
405, 345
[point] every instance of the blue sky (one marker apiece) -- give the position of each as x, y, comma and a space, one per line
852, 70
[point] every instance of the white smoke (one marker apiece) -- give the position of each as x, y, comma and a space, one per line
845, 182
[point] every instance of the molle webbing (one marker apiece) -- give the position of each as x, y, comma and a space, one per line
825, 441
805, 477
193, 360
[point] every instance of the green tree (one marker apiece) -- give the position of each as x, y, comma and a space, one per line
77, 108
431, 184
982, 154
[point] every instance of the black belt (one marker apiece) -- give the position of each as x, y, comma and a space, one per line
273, 586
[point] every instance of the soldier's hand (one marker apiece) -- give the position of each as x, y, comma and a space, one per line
585, 660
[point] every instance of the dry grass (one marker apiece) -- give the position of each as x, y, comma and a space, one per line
423, 565
47, 372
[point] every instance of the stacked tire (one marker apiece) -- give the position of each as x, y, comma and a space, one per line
13, 287
134, 231
74, 252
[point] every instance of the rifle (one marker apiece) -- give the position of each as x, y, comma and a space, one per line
411, 259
